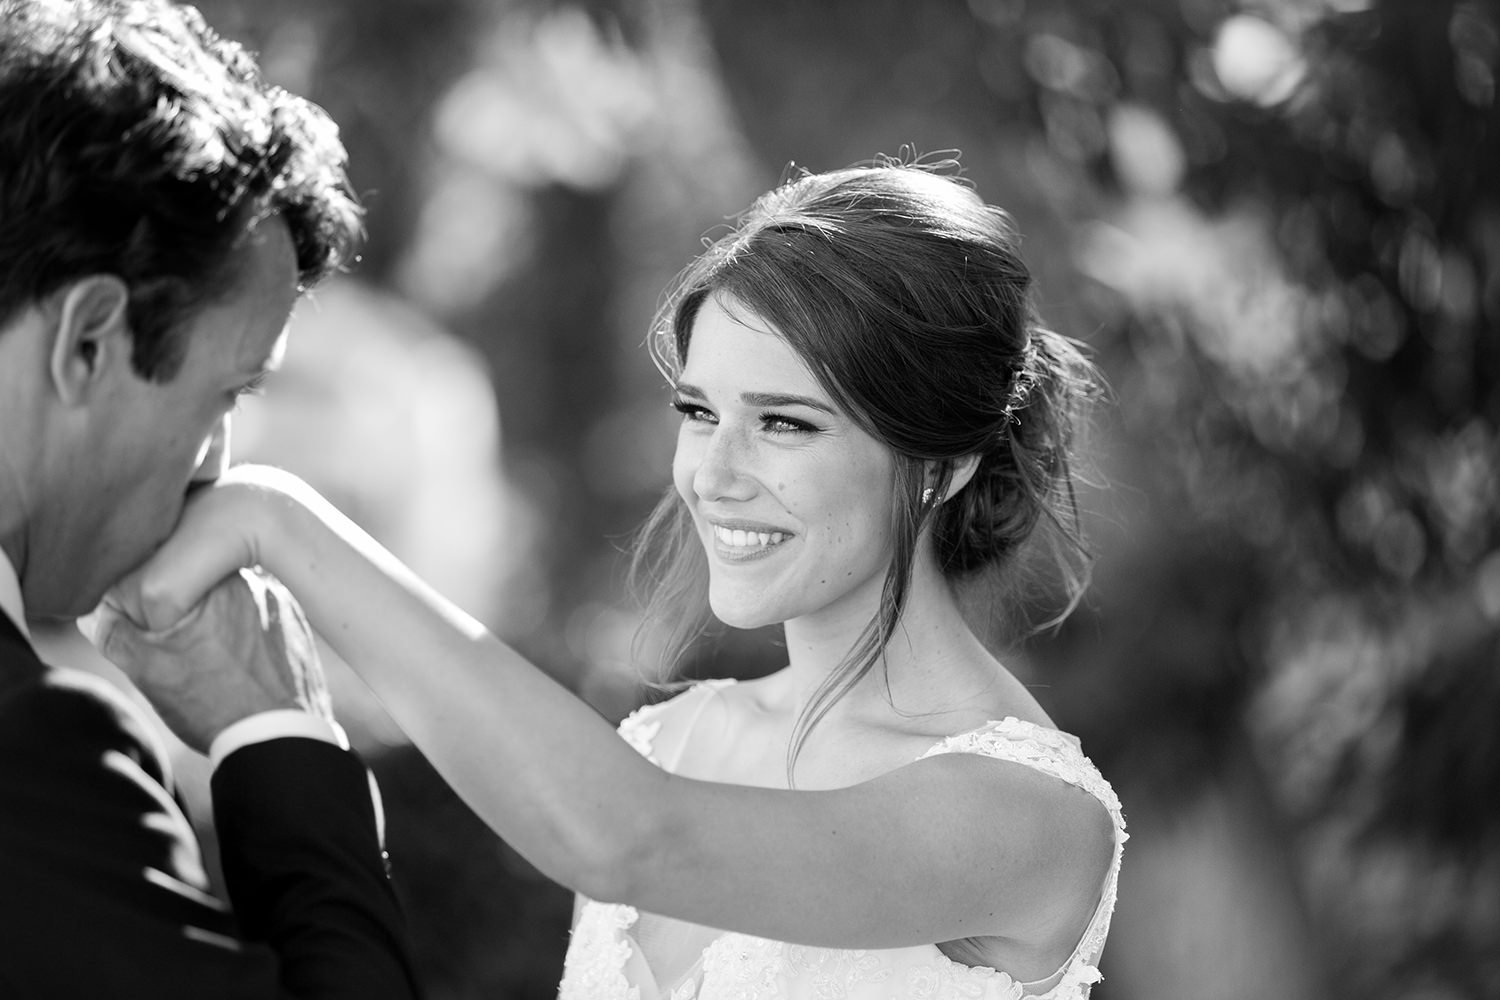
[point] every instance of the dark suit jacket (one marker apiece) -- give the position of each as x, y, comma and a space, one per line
102, 890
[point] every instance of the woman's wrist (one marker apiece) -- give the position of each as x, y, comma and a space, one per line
277, 509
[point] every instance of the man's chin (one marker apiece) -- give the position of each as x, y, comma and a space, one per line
50, 621
84, 599
60, 601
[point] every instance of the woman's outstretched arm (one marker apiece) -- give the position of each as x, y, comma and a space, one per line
949, 847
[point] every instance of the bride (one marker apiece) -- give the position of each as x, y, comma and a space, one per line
873, 424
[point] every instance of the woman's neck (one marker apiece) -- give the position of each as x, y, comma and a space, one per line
932, 658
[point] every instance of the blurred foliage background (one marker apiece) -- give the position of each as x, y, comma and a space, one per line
1276, 223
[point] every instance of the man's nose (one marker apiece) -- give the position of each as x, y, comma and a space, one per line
213, 459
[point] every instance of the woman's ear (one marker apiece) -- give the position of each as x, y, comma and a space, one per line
963, 471
91, 334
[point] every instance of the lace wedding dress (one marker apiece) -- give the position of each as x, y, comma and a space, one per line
605, 962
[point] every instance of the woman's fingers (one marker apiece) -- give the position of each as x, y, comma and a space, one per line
207, 545
218, 533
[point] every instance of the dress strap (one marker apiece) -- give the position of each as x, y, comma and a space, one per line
1050, 751
641, 727
1060, 755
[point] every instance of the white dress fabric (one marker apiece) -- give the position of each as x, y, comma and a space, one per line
604, 961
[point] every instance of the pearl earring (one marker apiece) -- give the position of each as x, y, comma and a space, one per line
927, 496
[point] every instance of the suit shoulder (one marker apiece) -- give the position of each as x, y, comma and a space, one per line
74, 712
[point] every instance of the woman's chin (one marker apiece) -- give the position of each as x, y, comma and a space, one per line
741, 616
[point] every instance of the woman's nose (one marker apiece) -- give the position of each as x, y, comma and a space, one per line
722, 468
213, 459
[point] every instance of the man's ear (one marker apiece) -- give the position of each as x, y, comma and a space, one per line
92, 335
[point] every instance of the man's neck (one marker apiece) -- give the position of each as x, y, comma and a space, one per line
12, 541
10, 593
25, 445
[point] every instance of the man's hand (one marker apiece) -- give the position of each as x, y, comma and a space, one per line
245, 648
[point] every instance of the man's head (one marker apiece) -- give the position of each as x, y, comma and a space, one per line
160, 208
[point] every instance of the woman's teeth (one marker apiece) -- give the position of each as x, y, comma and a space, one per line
735, 538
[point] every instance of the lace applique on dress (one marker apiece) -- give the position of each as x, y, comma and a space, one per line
639, 730
736, 966
598, 952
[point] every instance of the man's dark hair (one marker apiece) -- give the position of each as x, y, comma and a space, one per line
136, 142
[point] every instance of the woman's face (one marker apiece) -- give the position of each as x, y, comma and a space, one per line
791, 499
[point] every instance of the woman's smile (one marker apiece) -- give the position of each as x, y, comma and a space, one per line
740, 539
740, 543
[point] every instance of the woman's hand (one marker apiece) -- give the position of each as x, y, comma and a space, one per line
226, 525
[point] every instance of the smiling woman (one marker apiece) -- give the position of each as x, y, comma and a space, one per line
871, 419
898, 300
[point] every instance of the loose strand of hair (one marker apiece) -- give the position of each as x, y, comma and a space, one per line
908, 519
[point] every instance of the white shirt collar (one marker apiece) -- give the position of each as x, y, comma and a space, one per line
10, 594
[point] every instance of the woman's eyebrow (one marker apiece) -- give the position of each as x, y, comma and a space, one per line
761, 398
784, 399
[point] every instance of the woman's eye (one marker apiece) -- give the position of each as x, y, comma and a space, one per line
778, 424
692, 412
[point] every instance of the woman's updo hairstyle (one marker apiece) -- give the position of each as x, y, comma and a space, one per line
907, 298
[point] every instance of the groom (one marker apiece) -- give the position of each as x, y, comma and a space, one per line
161, 208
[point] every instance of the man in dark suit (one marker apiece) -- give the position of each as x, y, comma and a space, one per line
161, 208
